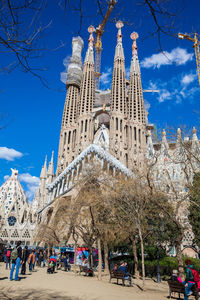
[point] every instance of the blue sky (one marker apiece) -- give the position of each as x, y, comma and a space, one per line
32, 113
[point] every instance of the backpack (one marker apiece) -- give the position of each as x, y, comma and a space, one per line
14, 254
195, 275
8, 253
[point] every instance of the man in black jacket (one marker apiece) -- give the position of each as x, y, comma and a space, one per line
25, 254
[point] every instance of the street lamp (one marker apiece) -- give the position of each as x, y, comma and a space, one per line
157, 248
158, 259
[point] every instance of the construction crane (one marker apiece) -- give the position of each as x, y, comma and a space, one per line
196, 42
151, 91
98, 44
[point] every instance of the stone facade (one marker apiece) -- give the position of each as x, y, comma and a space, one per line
16, 213
111, 128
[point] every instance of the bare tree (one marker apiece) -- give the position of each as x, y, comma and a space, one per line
21, 34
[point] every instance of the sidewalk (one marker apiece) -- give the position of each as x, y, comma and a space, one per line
68, 286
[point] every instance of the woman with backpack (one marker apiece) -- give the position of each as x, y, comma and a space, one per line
16, 257
8, 254
192, 278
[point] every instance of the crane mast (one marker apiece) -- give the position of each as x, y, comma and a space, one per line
98, 44
196, 43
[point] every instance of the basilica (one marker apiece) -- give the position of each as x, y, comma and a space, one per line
111, 127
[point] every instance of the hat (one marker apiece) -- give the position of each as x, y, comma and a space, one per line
175, 272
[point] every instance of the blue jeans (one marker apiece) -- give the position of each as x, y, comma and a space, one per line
30, 266
17, 264
187, 289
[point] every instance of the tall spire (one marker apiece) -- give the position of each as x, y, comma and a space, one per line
50, 172
87, 85
89, 58
195, 141
119, 51
43, 174
164, 143
136, 109
87, 97
118, 91
118, 127
68, 134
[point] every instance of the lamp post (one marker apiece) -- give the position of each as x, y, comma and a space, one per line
158, 259
157, 248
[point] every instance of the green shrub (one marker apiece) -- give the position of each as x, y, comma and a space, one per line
167, 264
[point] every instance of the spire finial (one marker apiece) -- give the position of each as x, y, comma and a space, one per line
134, 36
163, 133
194, 130
91, 29
119, 25
52, 156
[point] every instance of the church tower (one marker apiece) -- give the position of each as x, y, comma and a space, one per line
68, 134
50, 172
87, 98
136, 112
118, 110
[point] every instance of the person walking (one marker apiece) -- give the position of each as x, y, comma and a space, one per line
8, 254
31, 260
40, 258
16, 257
191, 278
25, 255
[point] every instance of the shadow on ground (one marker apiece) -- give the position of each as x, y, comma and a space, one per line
13, 294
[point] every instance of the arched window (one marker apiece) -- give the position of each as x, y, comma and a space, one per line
69, 137
135, 134
86, 122
116, 123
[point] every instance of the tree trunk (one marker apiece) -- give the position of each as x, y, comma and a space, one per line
136, 270
100, 258
90, 257
75, 254
180, 260
142, 254
106, 267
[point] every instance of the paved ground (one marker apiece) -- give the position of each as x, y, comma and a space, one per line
69, 286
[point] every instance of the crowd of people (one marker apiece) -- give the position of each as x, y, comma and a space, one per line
17, 258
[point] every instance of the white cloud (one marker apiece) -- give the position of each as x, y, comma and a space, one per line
178, 56
147, 105
188, 78
28, 178
31, 190
106, 77
31, 182
176, 89
9, 153
63, 75
164, 95
6, 177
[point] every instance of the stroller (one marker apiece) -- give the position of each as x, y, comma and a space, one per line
51, 266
